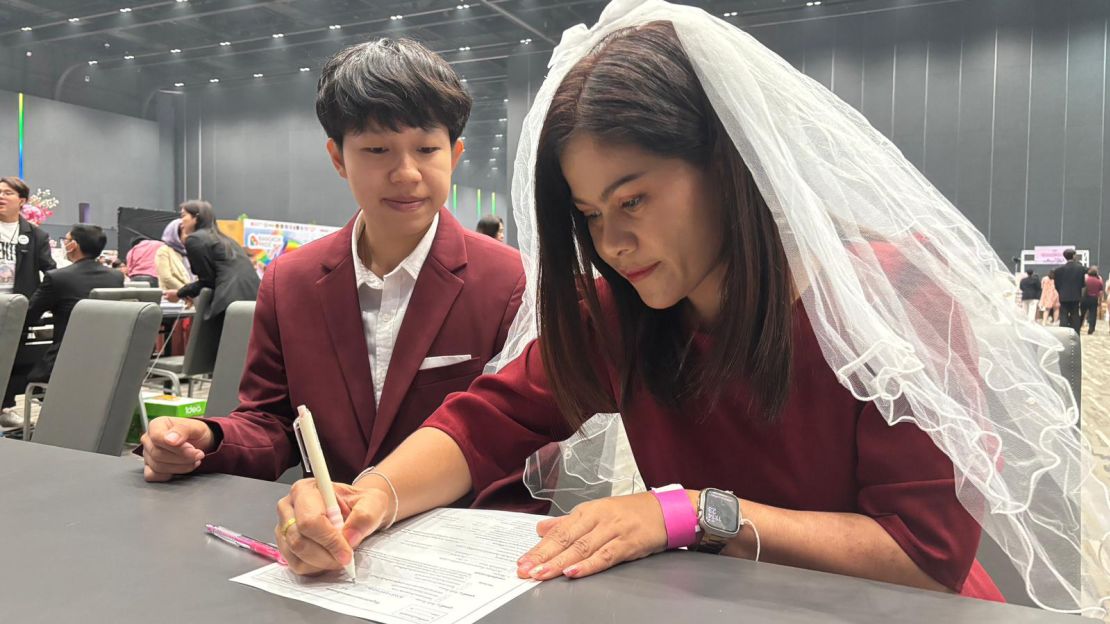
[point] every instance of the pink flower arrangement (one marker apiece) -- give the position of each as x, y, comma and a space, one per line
39, 207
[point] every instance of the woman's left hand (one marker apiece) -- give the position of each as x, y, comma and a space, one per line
596, 536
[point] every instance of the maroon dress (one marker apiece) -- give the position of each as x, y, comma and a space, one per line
827, 452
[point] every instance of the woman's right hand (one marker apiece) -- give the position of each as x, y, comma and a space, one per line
310, 544
170, 295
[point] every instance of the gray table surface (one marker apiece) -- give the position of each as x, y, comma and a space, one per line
86, 539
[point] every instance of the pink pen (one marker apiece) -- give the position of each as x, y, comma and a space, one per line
268, 551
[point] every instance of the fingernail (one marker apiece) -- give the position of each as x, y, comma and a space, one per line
172, 437
524, 563
537, 571
571, 571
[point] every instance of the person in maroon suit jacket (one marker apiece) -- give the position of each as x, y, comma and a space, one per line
374, 325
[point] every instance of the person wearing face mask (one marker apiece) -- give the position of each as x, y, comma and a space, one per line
60, 291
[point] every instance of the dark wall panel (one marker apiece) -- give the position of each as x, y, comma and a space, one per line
942, 112
1046, 129
1083, 140
975, 117
1011, 133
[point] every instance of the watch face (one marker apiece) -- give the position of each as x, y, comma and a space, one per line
721, 512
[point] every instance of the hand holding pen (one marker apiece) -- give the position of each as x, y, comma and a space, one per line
311, 538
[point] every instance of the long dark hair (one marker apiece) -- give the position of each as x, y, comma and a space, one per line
639, 89
205, 218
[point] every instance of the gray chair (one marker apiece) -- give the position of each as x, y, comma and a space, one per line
35, 391
13, 313
200, 351
95, 384
993, 559
147, 294
223, 397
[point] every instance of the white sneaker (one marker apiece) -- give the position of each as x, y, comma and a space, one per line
10, 418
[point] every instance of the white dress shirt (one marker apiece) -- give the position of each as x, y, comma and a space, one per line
383, 301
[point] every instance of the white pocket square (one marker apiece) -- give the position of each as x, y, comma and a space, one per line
440, 361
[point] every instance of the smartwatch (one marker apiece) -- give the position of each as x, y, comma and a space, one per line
719, 519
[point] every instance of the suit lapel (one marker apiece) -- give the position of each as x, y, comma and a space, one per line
338, 299
436, 289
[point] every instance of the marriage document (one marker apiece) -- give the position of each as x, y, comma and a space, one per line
448, 566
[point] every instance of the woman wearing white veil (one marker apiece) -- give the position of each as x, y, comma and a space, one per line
787, 310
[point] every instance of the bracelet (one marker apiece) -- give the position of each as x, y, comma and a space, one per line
393, 490
679, 516
756, 531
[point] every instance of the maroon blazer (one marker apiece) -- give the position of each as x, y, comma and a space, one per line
307, 347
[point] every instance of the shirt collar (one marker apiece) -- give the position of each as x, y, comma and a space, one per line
412, 264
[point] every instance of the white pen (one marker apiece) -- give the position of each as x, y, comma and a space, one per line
313, 457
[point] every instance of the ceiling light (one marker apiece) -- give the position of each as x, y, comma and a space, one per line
179, 1
125, 10
179, 84
278, 35
26, 29
462, 6
462, 80
175, 50
225, 43
502, 119
304, 69
526, 41
335, 27
497, 149
493, 160
213, 80
466, 161
28, 53
499, 135
258, 75
464, 49
396, 17
74, 20
506, 100
93, 62
128, 57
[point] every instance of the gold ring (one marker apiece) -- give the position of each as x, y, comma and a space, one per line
285, 527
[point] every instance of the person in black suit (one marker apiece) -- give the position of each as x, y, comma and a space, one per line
60, 291
1030, 294
24, 247
219, 262
1070, 282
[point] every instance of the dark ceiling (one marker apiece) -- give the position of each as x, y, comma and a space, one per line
116, 54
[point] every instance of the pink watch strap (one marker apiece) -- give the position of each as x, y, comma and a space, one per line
679, 516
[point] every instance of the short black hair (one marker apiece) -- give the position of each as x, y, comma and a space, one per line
90, 238
489, 225
1069, 254
390, 84
1029, 272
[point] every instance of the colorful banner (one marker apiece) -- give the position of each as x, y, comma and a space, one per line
1050, 254
266, 240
